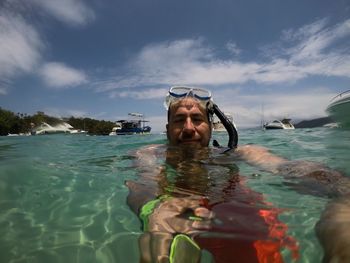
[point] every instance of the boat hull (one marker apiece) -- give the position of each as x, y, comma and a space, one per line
133, 131
339, 111
279, 125
273, 128
278, 128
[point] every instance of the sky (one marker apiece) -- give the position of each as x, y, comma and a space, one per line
106, 58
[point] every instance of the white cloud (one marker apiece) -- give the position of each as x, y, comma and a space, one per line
58, 75
60, 113
247, 109
305, 52
20, 46
233, 48
72, 12
314, 50
144, 94
161, 64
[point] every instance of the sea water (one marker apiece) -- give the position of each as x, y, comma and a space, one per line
63, 197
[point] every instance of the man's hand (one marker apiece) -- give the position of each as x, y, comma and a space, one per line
180, 215
173, 215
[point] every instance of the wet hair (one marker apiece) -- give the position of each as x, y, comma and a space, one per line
175, 104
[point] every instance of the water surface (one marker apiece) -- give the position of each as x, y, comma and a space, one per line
63, 197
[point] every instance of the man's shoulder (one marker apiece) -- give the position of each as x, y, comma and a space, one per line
151, 149
149, 155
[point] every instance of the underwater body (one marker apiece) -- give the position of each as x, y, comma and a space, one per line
63, 197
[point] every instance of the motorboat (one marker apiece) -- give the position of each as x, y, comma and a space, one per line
283, 124
339, 109
45, 128
117, 128
71, 129
218, 126
136, 125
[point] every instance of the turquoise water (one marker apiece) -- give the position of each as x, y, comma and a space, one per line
63, 197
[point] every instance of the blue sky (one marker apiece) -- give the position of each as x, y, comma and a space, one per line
105, 58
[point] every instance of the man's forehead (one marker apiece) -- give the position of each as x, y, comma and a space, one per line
188, 104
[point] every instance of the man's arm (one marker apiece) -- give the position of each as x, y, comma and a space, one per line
332, 229
260, 156
305, 176
146, 187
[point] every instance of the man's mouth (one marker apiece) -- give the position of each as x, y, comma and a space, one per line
189, 141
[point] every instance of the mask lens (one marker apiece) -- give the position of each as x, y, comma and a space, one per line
178, 92
201, 94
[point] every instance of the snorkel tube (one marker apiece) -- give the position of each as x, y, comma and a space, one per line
229, 126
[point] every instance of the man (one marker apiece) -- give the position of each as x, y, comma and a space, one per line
184, 211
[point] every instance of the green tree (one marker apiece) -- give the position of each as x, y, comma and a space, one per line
22, 123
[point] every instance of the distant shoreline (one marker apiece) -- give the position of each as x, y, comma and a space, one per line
314, 123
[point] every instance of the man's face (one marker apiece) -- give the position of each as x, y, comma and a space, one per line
188, 124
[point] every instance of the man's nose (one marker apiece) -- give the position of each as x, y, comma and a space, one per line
188, 126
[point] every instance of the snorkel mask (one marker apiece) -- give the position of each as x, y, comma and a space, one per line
204, 98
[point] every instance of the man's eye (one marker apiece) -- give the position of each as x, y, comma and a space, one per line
178, 120
197, 119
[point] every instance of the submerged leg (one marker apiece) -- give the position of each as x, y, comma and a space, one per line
333, 230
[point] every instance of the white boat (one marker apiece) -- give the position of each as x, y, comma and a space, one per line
116, 129
331, 125
45, 128
71, 129
129, 127
339, 109
217, 124
283, 124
